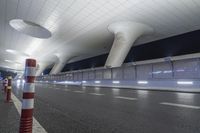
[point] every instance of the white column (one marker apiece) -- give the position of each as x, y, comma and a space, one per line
125, 35
41, 68
58, 67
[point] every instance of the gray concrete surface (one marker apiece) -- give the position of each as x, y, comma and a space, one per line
9, 117
76, 109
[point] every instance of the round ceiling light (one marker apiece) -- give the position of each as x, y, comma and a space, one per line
30, 28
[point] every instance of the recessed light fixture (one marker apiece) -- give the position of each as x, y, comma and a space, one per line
142, 82
30, 28
8, 61
12, 51
84, 81
185, 82
97, 82
116, 82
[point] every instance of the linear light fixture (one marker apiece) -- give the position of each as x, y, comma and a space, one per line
97, 82
10, 51
185, 82
8, 61
115, 82
84, 81
142, 82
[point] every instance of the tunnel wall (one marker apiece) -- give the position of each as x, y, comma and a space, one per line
177, 75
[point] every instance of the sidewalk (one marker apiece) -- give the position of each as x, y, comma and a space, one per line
9, 117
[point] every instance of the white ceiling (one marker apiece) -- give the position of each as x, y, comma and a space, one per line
79, 27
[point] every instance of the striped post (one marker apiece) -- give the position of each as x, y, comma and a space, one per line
9, 88
26, 120
5, 85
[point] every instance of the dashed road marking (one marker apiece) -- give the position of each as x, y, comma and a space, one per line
37, 128
57, 88
78, 91
97, 94
126, 98
180, 105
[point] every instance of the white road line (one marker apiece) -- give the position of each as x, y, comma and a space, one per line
126, 98
97, 94
66, 90
37, 128
78, 91
180, 105
57, 88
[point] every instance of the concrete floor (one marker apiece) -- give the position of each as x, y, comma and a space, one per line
76, 109
9, 117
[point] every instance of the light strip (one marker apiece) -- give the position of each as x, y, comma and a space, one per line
185, 82
10, 51
142, 82
97, 82
8, 61
115, 82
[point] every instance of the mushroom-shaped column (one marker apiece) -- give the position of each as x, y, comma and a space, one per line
41, 67
59, 65
125, 35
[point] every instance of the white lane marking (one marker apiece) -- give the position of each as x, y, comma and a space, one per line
66, 90
97, 94
126, 98
57, 88
78, 91
37, 128
180, 105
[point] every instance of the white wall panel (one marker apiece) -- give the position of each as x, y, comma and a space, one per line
144, 72
76, 76
107, 74
99, 74
91, 75
186, 69
85, 75
162, 70
117, 73
71, 76
80, 76
129, 73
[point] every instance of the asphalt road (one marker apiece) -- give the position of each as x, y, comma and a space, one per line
77, 109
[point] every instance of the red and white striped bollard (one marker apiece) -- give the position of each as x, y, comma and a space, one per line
8, 90
5, 85
26, 121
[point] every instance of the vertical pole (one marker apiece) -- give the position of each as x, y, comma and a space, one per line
26, 121
5, 85
9, 88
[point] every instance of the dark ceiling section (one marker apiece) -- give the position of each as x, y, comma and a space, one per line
48, 69
177, 45
87, 63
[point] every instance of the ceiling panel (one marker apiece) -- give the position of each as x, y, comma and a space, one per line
76, 23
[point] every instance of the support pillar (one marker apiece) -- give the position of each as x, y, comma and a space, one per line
60, 64
58, 67
41, 68
125, 35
